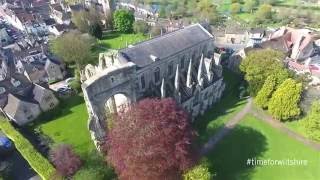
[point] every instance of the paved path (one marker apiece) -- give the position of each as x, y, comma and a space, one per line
226, 129
278, 125
260, 115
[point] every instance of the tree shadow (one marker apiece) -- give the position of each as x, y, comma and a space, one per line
229, 158
110, 35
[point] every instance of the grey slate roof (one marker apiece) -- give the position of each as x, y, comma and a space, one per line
165, 46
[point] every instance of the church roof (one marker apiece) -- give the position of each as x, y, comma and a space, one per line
145, 53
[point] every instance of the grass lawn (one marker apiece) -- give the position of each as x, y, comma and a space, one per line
68, 124
116, 40
221, 112
253, 138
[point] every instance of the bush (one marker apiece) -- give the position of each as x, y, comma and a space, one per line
96, 30
312, 122
199, 172
40, 164
140, 27
123, 20
95, 168
284, 103
65, 160
75, 85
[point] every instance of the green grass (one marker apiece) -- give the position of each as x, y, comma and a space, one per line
253, 138
116, 40
222, 111
68, 125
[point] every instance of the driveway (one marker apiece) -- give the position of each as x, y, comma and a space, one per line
58, 85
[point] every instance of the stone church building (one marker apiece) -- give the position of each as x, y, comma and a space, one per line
181, 65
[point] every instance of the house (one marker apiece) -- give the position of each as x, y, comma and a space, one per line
55, 69
21, 100
60, 13
45, 98
5, 39
20, 110
256, 36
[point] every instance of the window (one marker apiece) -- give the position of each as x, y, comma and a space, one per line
170, 69
157, 75
182, 62
143, 83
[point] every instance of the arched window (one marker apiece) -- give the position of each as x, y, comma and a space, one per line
170, 69
182, 62
143, 82
157, 75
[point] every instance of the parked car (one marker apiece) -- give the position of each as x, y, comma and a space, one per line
6, 145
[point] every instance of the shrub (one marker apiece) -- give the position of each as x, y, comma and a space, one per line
95, 168
312, 122
140, 27
65, 160
199, 172
123, 20
96, 30
156, 30
75, 85
40, 164
284, 103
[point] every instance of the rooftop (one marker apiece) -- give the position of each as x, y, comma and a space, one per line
144, 53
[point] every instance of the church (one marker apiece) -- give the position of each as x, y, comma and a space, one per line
181, 65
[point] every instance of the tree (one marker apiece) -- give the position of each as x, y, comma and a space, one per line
140, 27
206, 10
73, 47
260, 64
96, 30
65, 160
264, 13
264, 95
312, 122
284, 103
235, 8
199, 172
123, 20
86, 18
151, 139
249, 5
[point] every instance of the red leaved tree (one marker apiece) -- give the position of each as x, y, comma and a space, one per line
65, 160
151, 139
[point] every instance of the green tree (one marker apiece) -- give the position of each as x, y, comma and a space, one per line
96, 30
260, 64
73, 47
264, 95
140, 27
235, 8
123, 20
264, 13
199, 172
249, 5
284, 103
206, 10
312, 122
85, 18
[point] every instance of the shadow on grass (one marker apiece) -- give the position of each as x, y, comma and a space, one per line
110, 35
63, 109
229, 158
229, 101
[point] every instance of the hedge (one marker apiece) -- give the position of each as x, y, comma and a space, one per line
39, 163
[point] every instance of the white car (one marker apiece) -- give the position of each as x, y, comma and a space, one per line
69, 80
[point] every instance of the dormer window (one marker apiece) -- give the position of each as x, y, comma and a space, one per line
2, 90
15, 82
